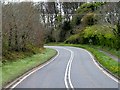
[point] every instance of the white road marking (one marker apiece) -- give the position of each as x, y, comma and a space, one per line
68, 70
36, 70
65, 77
105, 72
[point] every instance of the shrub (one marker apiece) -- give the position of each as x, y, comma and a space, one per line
89, 19
100, 35
75, 39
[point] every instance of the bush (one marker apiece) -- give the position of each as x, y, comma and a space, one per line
76, 20
89, 19
95, 35
75, 39
100, 35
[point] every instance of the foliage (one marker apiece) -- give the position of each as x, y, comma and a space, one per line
87, 7
66, 25
92, 5
74, 39
76, 20
89, 19
109, 50
63, 31
100, 35
14, 55
21, 29
20, 66
107, 62
96, 35
59, 18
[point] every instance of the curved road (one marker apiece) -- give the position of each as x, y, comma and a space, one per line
71, 68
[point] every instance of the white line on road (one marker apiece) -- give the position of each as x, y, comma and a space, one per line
68, 70
35, 70
105, 72
65, 77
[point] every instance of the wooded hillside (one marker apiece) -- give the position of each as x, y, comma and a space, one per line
27, 25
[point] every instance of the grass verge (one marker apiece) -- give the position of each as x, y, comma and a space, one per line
107, 62
12, 70
109, 50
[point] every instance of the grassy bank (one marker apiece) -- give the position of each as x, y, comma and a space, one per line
107, 62
114, 52
14, 69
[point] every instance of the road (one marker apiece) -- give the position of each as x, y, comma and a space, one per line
71, 68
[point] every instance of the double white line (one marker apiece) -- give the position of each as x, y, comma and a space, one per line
67, 78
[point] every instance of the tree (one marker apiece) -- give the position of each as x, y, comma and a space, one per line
110, 14
22, 26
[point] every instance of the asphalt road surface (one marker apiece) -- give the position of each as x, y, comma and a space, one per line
71, 68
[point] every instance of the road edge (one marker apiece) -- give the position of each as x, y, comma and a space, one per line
101, 67
18, 80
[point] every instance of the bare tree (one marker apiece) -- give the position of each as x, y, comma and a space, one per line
22, 26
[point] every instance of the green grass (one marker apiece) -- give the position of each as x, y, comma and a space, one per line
12, 70
12, 55
107, 62
112, 51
